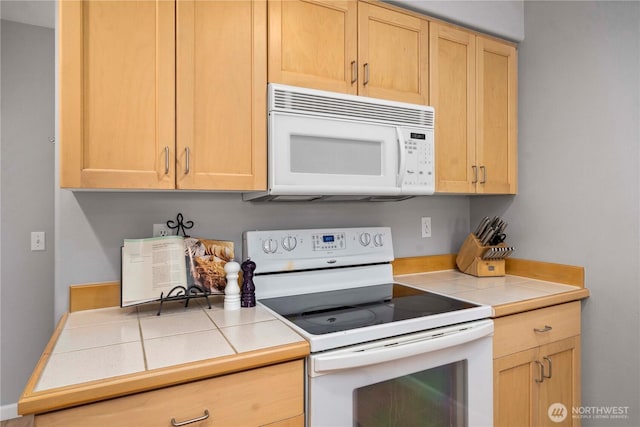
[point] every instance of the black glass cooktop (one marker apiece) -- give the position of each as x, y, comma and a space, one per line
333, 311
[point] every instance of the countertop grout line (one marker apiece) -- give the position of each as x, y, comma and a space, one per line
144, 351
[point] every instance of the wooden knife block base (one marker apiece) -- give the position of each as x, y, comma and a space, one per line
469, 259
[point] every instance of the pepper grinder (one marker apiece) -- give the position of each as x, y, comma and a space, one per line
232, 290
248, 288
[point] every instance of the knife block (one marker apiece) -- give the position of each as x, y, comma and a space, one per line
469, 259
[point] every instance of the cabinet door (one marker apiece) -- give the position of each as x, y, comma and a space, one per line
497, 117
312, 43
514, 391
392, 55
221, 95
117, 94
561, 360
452, 91
528, 383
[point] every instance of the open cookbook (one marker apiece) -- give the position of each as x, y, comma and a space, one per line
152, 267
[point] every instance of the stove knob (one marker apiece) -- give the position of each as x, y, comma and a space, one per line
365, 239
378, 240
289, 243
269, 246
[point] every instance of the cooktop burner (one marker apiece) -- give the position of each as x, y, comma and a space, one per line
341, 310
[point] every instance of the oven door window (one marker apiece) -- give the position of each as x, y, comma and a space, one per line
434, 397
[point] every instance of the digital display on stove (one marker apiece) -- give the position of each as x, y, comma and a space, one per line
328, 238
340, 310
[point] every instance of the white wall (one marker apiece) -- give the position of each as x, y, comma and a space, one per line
502, 18
92, 225
579, 180
26, 295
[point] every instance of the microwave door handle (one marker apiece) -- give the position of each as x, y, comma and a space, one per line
401, 156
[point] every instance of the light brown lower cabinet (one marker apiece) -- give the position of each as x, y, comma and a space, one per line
270, 396
537, 380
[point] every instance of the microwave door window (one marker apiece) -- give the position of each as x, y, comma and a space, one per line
335, 156
344, 156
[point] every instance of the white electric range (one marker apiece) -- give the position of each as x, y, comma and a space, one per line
380, 351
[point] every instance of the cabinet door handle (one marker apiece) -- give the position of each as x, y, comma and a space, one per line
354, 72
550, 368
366, 74
484, 174
542, 375
546, 328
175, 423
166, 160
475, 174
187, 167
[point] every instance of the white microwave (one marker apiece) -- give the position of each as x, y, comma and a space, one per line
331, 146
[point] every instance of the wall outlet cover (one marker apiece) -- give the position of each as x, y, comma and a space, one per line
161, 230
426, 226
37, 241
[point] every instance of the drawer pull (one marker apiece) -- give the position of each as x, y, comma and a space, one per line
542, 375
174, 423
546, 328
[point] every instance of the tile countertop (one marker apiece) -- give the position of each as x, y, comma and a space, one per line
506, 294
103, 353
110, 352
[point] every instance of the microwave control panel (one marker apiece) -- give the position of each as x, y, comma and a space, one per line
417, 174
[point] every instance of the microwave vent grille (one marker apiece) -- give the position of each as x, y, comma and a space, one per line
365, 109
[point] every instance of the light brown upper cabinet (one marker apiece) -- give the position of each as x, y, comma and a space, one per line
350, 47
221, 95
117, 91
159, 95
473, 88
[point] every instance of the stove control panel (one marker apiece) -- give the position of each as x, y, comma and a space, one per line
292, 250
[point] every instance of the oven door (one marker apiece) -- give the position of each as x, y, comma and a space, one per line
327, 156
441, 377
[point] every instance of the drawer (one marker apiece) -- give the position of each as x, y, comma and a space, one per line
249, 398
531, 329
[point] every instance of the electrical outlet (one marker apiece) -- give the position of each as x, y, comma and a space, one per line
426, 226
161, 230
37, 241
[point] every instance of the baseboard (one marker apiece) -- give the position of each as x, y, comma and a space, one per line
8, 411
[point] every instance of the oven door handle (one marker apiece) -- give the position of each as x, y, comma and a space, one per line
389, 350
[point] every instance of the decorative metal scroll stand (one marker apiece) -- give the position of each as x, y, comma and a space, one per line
180, 225
180, 292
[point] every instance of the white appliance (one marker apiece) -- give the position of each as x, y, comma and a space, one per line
331, 146
382, 353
